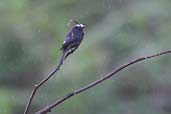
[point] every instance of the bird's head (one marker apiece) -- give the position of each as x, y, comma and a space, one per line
79, 27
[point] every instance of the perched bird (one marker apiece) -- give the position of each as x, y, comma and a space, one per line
72, 41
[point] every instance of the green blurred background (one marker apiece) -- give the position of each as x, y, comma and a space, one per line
117, 31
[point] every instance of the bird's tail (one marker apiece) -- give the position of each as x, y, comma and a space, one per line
62, 59
59, 64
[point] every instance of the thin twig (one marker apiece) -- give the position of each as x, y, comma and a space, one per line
37, 86
94, 83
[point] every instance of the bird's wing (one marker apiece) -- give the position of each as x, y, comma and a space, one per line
69, 39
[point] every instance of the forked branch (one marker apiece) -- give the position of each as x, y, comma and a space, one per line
48, 108
37, 86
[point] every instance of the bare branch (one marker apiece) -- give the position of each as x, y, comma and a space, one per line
94, 83
36, 87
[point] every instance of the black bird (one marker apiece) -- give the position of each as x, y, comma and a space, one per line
72, 41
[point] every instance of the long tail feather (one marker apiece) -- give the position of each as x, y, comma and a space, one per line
62, 59
59, 64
